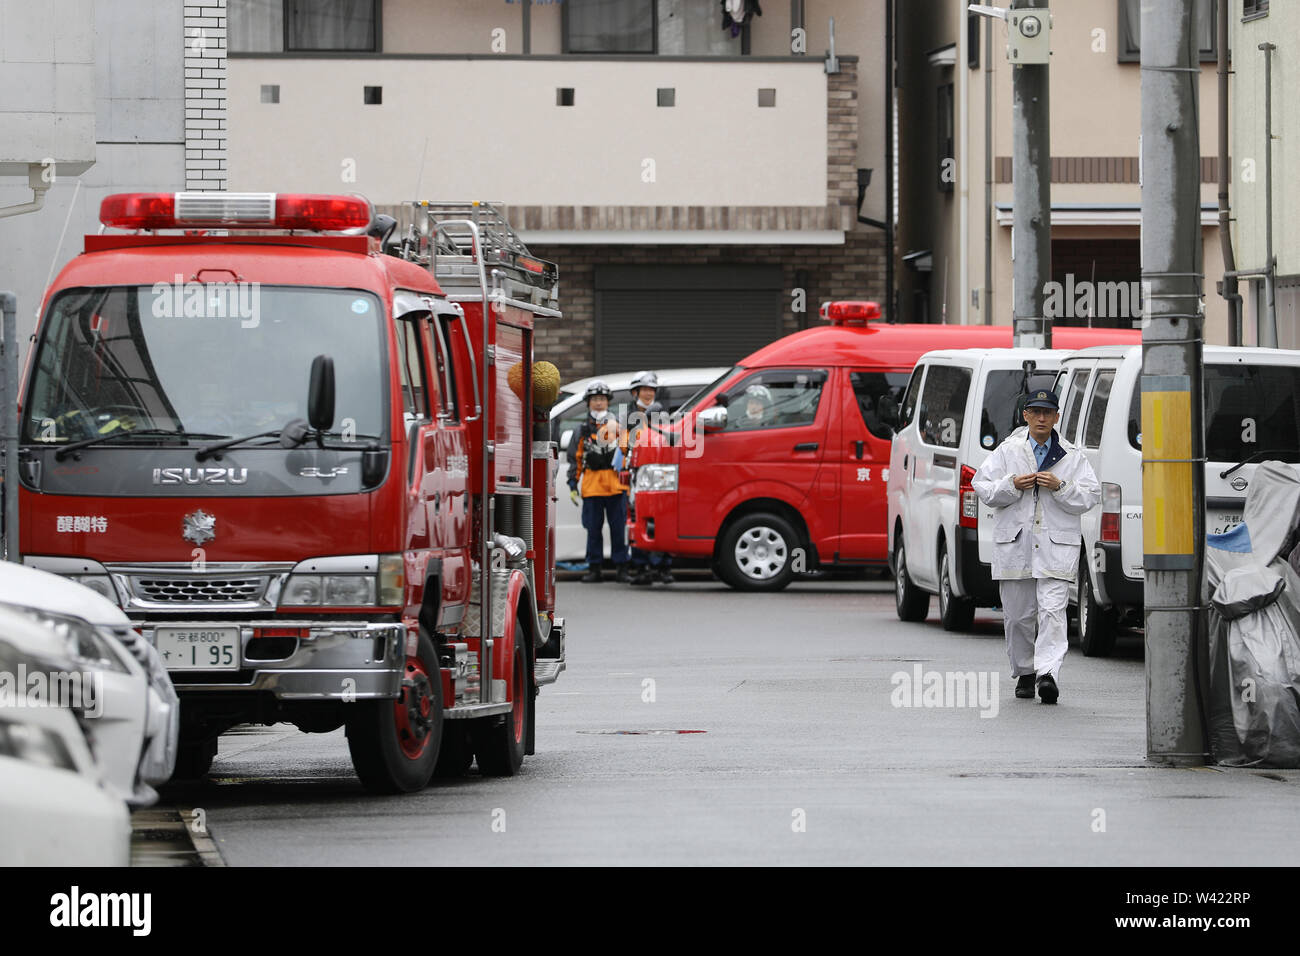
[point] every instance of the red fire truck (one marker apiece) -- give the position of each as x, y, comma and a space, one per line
311, 463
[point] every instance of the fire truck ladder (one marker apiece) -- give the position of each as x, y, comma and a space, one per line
517, 273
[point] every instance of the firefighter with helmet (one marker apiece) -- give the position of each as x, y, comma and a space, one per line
758, 403
647, 566
596, 457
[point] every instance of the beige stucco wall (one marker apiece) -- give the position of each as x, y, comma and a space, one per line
494, 131
1281, 27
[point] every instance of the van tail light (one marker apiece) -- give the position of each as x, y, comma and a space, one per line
1112, 499
970, 502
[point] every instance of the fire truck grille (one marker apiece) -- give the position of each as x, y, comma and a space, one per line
200, 590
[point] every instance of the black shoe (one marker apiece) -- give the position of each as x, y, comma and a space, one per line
642, 576
666, 577
1025, 687
1047, 689
624, 575
593, 575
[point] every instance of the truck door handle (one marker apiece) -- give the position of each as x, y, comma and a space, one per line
857, 446
904, 463
806, 446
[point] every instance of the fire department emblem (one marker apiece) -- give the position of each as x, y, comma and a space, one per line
200, 527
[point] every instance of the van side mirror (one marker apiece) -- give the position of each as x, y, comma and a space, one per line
712, 419
565, 437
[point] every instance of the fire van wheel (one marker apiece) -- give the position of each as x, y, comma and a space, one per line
911, 603
500, 741
456, 753
955, 613
757, 553
1097, 624
395, 743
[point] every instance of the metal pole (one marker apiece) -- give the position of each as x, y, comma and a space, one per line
9, 405
1032, 181
1267, 336
988, 172
1229, 288
1173, 447
890, 22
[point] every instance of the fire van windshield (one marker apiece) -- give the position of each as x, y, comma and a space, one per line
215, 361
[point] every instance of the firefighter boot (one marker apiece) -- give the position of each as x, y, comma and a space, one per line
593, 575
624, 575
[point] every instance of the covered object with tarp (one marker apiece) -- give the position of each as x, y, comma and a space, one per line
1253, 579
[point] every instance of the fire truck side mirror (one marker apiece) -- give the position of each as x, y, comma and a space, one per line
320, 394
565, 437
713, 419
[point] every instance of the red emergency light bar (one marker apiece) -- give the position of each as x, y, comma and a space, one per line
850, 313
220, 210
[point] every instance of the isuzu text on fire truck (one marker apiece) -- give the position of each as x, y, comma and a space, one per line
311, 463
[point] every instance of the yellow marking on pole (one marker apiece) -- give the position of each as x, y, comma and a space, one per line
1167, 525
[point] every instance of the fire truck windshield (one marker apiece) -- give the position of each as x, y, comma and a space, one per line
214, 361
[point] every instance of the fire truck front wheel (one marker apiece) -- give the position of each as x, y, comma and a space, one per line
395, 743
500, 742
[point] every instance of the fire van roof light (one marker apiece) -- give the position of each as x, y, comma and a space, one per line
241, 210
850, 313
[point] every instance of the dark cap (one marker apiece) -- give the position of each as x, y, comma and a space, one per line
1043, 399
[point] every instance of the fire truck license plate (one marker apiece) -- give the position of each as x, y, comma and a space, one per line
1221, 522
198, 648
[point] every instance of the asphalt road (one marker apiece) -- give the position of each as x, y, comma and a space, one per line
800, 754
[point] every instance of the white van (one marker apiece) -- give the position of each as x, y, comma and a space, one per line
959, 405
1251, 414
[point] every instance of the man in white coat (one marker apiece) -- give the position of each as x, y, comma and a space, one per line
1038, 486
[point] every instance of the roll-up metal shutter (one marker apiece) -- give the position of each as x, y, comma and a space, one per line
684, 316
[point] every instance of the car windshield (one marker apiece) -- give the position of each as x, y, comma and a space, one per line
695, 399
1005, 392
201, 361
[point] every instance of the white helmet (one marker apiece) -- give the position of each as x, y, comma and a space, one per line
645, 380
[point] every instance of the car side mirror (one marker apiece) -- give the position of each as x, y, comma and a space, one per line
712, 419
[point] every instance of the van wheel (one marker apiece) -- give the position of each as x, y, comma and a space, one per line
757, 553
911, 602
955, 613
1097, 624
395, 743
194, 758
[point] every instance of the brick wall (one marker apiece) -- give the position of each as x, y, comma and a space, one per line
855, 270
205, 95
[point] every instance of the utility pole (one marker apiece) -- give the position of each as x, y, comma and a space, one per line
1173, 445
9, 409
1028, 48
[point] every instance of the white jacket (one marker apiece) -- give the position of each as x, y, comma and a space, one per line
1036, 532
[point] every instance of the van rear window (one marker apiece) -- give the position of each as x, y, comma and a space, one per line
943, 405
1251, 409
1004, 393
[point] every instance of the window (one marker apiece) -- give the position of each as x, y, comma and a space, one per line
947, 151
909, 400
973, 40
1000, 413
609, 26
943, 405
1129, 46
1097, 409
1074, 402
878, 395
415, 402
1251, 410
273, 26
783, 398
1253, 9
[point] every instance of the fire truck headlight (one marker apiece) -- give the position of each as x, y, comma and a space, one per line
349, 590
99, 583
656, 478
392, 580
302, 589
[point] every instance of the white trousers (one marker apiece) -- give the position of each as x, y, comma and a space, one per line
1034, 612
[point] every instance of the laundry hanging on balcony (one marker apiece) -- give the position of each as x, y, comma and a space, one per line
736, 12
